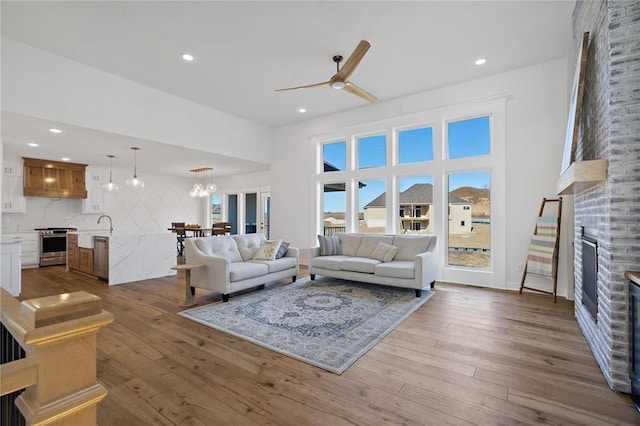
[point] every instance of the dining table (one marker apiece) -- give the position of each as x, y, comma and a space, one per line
194, 231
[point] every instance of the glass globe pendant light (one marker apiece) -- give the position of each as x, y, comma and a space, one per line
134, 182
110, 186
203, 186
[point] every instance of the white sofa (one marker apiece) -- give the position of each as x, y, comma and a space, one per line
414, 266
229, 264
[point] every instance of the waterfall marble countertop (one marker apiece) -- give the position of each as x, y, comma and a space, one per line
135, 256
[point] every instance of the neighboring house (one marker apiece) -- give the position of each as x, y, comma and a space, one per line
416, 211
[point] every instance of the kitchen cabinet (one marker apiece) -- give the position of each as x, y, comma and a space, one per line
85, 261
30, 251
94, 179
11, 275
12, 166
73, 252
13, 199
58, 179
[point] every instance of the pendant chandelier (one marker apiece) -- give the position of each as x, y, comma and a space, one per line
203, 185
110, 186
134, 182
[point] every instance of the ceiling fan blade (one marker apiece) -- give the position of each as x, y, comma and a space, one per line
304, 87
353, 61
355, 90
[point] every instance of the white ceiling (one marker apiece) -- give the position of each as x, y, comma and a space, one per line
246, 50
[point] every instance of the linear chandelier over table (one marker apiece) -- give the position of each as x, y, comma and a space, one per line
203, 186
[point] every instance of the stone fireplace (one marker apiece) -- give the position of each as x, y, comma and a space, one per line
609, 130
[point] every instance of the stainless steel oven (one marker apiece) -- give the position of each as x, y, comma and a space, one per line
53, 246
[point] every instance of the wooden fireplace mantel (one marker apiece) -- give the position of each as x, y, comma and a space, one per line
582, 175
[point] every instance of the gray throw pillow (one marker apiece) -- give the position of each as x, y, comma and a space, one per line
284, 246
329, 246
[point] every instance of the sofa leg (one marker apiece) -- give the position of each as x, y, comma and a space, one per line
313, 277
193, 291
294, 278
433, 284
418, 293
225, 298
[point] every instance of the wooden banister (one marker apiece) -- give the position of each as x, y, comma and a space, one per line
17, 375
59, 335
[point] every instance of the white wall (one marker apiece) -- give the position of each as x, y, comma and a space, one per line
39, 84
536, 121
163, 200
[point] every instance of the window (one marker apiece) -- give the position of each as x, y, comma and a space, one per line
335, 208
415, 145
470, 241
334, 156
468, 138
232, 212
216, 208
416, 200
372, 151
372, 203
423, 159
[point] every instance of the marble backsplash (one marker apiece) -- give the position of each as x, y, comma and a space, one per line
163, 200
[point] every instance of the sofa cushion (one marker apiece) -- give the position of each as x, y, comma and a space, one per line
248, 244
219, 246
328, 262
349, 243
244, 270
384, 252
282, 250
410, 245
359, 264
369, 243
278, 265
268, 250
396, 269
329, 245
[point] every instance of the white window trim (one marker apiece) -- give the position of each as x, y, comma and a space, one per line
439, 168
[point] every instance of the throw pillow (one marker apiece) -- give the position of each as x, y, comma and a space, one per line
284, 246
268, 250
329, 246
385, 252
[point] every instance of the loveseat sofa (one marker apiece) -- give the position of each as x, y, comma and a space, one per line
229, 264
412, 263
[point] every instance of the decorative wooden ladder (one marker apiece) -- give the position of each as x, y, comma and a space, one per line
542, 236
58, 335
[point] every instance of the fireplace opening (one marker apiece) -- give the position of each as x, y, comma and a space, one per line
590, 274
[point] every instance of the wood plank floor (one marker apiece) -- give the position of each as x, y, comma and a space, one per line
469, 356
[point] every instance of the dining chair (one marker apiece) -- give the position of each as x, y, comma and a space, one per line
181, 234
221, 228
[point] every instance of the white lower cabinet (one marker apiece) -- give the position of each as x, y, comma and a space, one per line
10, 262
30, 252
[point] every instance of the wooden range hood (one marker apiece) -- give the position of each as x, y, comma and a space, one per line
57, 179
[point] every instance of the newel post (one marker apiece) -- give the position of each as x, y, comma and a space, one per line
60, 336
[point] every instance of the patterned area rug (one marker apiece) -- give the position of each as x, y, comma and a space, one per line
329, 323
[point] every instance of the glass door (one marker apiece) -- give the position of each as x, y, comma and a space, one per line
251, 213
232, 212
265, 213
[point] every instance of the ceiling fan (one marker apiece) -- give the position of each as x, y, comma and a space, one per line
340, 78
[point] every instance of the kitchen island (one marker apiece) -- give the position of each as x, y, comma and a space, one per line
123, 257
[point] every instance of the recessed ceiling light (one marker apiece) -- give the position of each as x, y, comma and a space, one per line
481, 61
302, 110
52, 130
188, 57
65, 158
33, 144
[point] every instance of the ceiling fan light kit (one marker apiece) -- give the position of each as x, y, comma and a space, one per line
340, 79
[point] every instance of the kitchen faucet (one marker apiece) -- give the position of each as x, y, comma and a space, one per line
110, 223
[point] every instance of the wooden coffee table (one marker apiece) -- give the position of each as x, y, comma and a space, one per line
187, 267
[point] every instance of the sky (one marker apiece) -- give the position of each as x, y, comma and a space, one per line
466, 138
